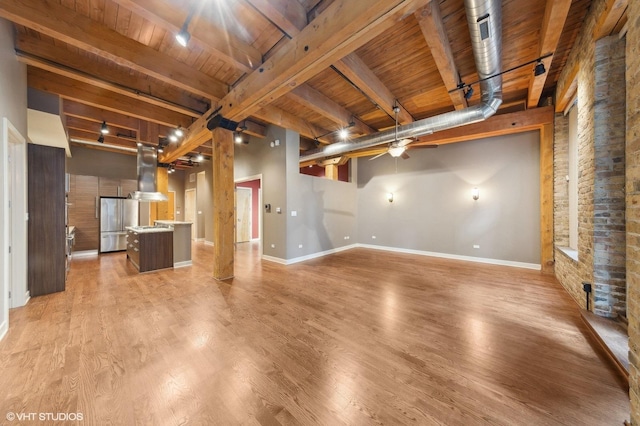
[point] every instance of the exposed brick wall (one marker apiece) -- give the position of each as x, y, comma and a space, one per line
609, 191
570, 273
560, 184
633, 202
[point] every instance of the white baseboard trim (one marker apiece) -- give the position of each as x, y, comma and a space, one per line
511, 263
255, 239
208, 243
84, 253
307, 257
4, 328
199, 240
183, 264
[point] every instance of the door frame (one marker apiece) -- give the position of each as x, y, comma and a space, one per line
13, 144
260, 209
250, 212
194, 224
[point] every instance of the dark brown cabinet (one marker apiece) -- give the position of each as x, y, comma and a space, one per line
149, 251
83, 211
84, 199
46, 226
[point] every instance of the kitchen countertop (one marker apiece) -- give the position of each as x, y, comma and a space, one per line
149, 229
173, 222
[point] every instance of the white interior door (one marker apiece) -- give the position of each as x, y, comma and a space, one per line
243, 214
190, 210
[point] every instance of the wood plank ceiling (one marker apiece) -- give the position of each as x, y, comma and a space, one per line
118, 61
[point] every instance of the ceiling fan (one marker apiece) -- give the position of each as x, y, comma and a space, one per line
397, 148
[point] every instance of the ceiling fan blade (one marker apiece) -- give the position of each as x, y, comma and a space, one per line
404, 142
405, 156
379, 155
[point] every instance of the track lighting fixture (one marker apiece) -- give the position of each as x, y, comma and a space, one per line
342, 133
179, 132
173, 137
237, 137
104, 129
200, 157
183, 36
101, 138
538, 70
468, 93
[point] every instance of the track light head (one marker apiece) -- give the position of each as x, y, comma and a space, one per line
468, 93
183, 36
101, 138
179, 132
343, 133
173, 138
104, 129
200, 157
539, 69
237, 136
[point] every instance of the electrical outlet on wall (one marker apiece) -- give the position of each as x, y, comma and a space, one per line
476, 246
299, 245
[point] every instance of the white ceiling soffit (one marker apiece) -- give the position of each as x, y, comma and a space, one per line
46, 129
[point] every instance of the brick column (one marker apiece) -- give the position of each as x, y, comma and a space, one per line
609, 241
633, 203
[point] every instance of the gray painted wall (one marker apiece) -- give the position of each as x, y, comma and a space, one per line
93, 162
176, 184
326, 209
258, 157
433, 209
13, 81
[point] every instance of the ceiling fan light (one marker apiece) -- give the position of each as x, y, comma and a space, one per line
396, 151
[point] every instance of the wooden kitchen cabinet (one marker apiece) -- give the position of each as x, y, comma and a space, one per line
83, 211
46, 228
149, 251
117, 187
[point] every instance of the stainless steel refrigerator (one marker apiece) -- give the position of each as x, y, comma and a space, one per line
115, 215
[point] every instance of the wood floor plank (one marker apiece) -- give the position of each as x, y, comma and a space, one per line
359, 337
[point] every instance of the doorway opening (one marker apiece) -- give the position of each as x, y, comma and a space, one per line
248, 209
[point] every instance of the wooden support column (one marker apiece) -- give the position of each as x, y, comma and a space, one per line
162, 185
223, 204
546, 198
331, 171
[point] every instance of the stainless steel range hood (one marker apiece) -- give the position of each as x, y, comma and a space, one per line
147, 165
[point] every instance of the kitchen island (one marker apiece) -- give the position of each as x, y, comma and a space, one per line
181, 241
150, 247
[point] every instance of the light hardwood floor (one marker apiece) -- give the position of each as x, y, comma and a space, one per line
360, 337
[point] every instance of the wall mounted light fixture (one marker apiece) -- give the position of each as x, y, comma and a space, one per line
390, 197
475, 193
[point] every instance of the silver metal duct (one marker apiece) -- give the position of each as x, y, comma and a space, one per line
484, 18
147, 164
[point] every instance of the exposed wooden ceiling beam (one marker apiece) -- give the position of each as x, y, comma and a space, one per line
555, 15
254, 129
72, 108
343, 27
94, 127
211, 38
353, 68
293, 20
326, 107
432, 26
88, 94
497, 125
162, 95
285, 119
289, 16
614, 11
567, 88
64, 71
64, 24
